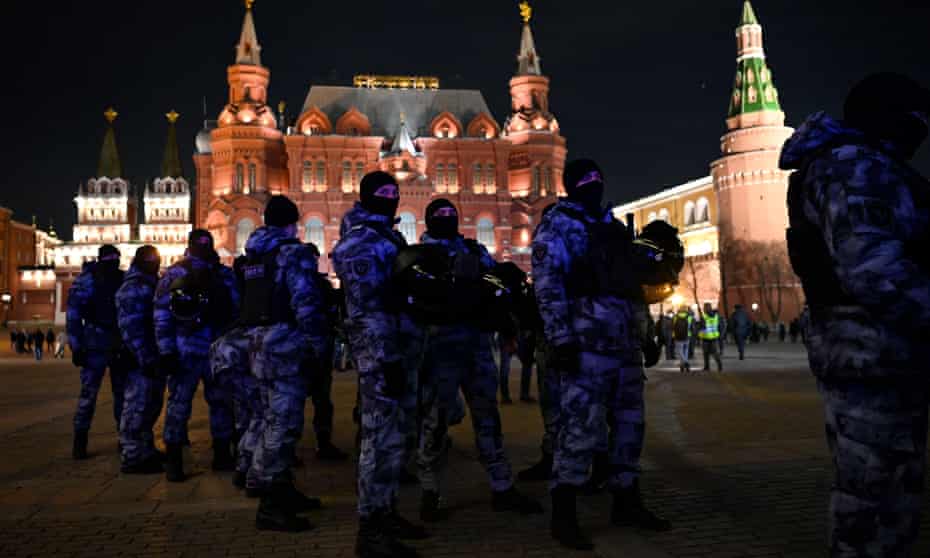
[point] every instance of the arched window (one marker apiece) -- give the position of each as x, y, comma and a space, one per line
243, 230
408, 227
240, 178
452, 178
663, 215
486, 233
321, 175
652, 217
689, 213
491, 181
476, 178
346, 175
441, 176
307, 179
546, 182
702, 211
313, 232
359, 172
536, 180
252, 175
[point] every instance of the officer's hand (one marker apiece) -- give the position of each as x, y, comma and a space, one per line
651, 352
566, 358
169, 364
79, 358
395, 379
151, 370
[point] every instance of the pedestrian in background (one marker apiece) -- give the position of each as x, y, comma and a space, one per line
13, 340
710, 337
60, 345
50, 339
681, 333
742, 328
38, 341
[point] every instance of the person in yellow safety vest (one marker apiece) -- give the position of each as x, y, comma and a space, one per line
681, 333
710, 335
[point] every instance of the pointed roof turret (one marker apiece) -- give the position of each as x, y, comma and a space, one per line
109, 164
528, 60
248, 51
403, 141
753, 89
171, 161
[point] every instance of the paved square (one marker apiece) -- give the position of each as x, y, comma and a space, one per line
736, 460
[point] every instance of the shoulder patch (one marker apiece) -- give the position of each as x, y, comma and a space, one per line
540, 251
361, 267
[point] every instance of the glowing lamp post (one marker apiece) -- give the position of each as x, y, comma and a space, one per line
6, 300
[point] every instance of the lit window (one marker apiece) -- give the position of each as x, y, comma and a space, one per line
452, 177
491, 179
252, 173
702, 211
441, 177
359, 172
486, 233
663, 215
240, 178
408, 227
689, 213
346, 176
313, 232
307, 180
321, 175
477, 179
243, 230
536, 179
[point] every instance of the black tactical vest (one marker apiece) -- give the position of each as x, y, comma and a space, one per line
101, 308
265, 301
606, 267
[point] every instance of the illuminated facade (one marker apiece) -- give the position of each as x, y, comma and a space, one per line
437, 142
733, 222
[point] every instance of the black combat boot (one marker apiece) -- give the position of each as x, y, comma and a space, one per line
374, 540
222, 455
174, 463
326, 451
431, 508
274, 512
600, 473
297, 501
401, 528
628, 510
152, 465
79, 448
407, 478
564, 527
514, 500
539, 472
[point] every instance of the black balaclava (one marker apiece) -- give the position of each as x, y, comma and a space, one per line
108, 257
280, 211
441, 226
584, 184
377, 204
200, 245
147, 260
890, 107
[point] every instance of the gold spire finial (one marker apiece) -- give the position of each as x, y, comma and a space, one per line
172, 116
110, 115
403, 118
526, 11
248, 4
281, 106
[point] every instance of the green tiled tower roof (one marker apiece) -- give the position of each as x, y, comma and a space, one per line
109, 164
753, 88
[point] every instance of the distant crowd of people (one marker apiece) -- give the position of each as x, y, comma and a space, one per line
35, 343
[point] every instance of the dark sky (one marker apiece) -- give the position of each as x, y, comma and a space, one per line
641, 87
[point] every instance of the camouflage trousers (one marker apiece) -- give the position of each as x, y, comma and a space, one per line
321, 387
91, 380
229, 363
460, 358
607, 388
548, 386
877, 435
144, 400
182, 387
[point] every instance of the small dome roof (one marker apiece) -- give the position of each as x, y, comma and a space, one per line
203, 142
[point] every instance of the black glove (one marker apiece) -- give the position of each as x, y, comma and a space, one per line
395, 379
169, 364
566, 358
651, 352
79, 358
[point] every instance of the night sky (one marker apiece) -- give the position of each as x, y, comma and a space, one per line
642, 87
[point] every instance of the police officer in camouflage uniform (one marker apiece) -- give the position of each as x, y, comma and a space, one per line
383, 342
860, 218
282, 309
458, 356
195, 301
94, 338
588, 298
145, 383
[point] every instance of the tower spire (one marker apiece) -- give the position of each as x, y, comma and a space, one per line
753, 89
248, 51
109, 164
171, 161
528, 60
402, 140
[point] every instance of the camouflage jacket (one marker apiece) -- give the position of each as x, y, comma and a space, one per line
867, 204
458, 245
604, 324
83, 333
297, 270
135, 305
170, 337
364, 260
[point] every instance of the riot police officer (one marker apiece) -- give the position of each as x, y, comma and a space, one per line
384, 343
860, 218
195, 300
145, 383
94, 338
589, 297
458, 356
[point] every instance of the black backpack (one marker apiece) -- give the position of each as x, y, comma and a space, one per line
101, 308
200, 298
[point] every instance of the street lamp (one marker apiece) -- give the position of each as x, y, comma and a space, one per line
755, 306
6, 300
677, 300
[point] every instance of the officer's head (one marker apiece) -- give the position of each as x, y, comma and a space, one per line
380, 194
147, 259
108, 256
442, 219
281, 212
200, 245
708, 308
584, 184
890, 107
